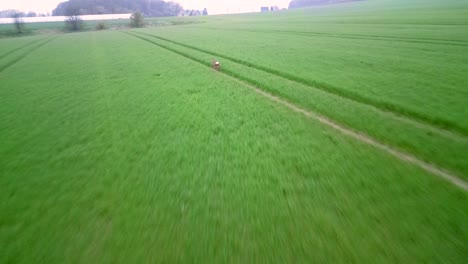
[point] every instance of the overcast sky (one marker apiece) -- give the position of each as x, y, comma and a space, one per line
213, 6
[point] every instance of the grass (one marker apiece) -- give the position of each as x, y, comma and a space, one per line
119, 150
410, 83
396, 76
47, 28
446, 150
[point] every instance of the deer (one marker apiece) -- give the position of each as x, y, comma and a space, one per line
215, 64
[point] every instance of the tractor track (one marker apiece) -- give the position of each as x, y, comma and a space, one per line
443, 125
354, 36
361, 137
443, 173
20, 48
24, 55
375, 23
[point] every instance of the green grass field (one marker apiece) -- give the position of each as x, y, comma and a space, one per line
48, 28
126, 147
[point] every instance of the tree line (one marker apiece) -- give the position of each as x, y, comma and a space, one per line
150, 8
14, 13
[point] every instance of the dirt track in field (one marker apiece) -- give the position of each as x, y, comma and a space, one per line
405, 157
444, 174
413, 118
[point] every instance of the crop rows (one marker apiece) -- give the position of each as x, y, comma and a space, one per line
25, 51
167, 150
404, 134
351, 36
27, 44
383, 105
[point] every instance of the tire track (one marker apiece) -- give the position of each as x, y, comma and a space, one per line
355, 36
19, 48
402, 156
24, 55
437, 123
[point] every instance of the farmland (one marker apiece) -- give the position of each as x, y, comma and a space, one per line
127, 147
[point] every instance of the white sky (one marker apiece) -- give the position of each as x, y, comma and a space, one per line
213, 6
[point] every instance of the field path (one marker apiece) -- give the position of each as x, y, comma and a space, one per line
9, 52
444, 126
446, 175
25, 54
403, 156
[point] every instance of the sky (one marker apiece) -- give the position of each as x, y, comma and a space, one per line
213, 6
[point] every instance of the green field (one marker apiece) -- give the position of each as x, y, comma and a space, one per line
127, 147
47, 28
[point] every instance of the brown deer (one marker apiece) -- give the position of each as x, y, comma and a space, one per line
215, 64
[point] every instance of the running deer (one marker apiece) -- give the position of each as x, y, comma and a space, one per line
215, 64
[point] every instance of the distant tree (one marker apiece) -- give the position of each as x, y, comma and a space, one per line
73, 21
152, 8
18, 14
205, 12
101, 25
31, 14
7, 13
137, 20
100, 10
18, 22
171, 8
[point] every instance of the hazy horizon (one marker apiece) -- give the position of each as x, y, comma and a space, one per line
213, 6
